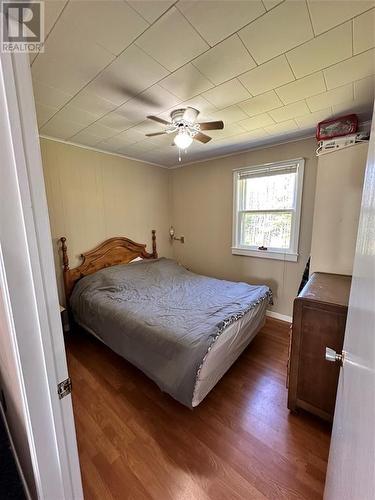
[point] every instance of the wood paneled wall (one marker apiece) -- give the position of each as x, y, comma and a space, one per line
93, 196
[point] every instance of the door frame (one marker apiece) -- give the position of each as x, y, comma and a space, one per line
37, 334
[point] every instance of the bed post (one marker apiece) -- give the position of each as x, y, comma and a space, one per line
66, 269
154, 252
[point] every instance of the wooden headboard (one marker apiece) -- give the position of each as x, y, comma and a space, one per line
109, 253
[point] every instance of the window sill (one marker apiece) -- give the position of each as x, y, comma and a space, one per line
265, 254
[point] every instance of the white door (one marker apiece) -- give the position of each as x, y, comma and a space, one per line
27, 262
351, 467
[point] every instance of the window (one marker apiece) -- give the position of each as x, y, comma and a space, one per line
267, 209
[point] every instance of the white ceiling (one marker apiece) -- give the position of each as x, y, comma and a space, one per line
269, 69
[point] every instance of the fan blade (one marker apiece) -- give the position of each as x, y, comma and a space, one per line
202, 137
190, 115
155, 133
212, 125
159, 120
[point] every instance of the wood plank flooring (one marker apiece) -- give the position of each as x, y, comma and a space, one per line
241, 443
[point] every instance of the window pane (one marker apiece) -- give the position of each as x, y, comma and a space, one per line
272, 230
267, 193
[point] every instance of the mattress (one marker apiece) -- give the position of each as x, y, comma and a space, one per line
174, 325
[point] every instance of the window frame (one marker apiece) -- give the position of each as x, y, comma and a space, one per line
291, 254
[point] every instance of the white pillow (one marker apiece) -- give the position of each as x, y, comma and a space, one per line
136, 259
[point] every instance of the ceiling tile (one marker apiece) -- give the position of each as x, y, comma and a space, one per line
99, 130
290, 111
153, 101
226, 94
225, 61
186, 82
282, 128
50, 96
256, 122
267, 76
219, 19
86, 139
44, 113
312, 119
261, 103
92, 103
270, 4
125, 138
356, 68
325, 14
113, 25
305, 87
322, 51
52, 10
362, 110
172, 41
205, 108
364, 32
272, 34
70, 113
335, 96
131, 73
151, 10
62, 129
229, 115
228, 131
364, 90
116, 121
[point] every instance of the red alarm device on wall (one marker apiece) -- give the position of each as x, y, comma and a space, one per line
337, 127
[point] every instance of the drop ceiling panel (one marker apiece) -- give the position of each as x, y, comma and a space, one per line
72, 114
326, 14
172, 41
226, 94
186, 82
299, 89
335, 96
92, 103
86, 139
323, 51
216, 20
364, 32
268, 76
270, 4
355, 68
271, 35
234, 60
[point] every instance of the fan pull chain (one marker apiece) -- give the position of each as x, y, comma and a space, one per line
179, 154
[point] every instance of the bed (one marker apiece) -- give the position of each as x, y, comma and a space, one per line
183, 330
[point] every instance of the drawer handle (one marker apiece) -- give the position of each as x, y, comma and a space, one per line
334, 357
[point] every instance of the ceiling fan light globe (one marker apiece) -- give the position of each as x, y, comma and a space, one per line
183, 140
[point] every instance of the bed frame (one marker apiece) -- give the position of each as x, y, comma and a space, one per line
113, 251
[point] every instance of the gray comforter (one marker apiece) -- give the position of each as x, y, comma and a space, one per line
161, 317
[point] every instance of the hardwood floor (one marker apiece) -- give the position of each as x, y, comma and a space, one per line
241, 443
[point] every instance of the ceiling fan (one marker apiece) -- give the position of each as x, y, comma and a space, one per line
183, 121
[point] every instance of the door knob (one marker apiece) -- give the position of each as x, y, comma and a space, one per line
334, 357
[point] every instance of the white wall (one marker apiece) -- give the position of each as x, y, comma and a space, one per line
337, 206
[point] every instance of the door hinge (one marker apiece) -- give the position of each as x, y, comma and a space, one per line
64, 388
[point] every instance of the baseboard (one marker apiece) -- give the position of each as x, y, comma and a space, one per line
276, 315
18, 465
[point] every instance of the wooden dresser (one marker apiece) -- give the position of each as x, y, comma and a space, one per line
319, 318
